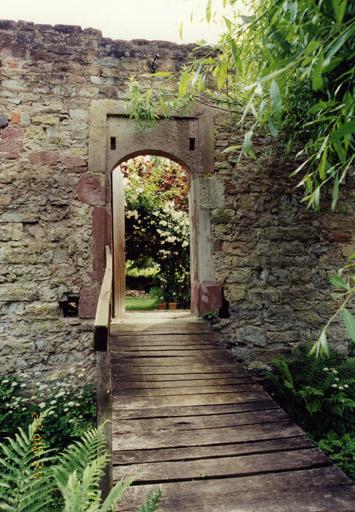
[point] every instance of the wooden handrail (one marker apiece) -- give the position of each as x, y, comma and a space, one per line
103, 310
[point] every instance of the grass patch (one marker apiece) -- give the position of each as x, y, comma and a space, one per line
141, 303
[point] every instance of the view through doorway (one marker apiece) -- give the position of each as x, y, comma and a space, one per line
151, 235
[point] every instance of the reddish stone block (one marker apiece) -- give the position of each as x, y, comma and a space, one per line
11, 133
218, 245
88, 302
98, 242
340, 236
207, 297
44, 157
15, 117
74, 161
91, 189
11, 142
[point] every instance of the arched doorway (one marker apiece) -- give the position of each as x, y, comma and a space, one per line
156, 192
188, 140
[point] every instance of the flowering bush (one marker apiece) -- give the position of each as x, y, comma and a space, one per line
157, 222
70, 403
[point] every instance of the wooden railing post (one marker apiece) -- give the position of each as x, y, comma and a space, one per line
103, 364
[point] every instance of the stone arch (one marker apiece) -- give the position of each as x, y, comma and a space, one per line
188, 140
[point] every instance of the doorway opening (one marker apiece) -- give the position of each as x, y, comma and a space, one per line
151, 233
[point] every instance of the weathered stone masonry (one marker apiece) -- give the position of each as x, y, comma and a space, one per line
272, 255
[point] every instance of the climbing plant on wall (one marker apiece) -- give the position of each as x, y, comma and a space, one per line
288, 68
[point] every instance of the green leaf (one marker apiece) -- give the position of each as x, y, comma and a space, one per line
323, 164
349, 321
338, 282
247, 144
275, 96
221, 74
338, 43
181, 30
183, 83
236, 56
339, 8
335, 194
313, 45
323, 343
347, 128
208, 11
317, 79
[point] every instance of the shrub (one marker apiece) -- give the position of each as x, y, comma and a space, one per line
318, 392
341, 450
71, 407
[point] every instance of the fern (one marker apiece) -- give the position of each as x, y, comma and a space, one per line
26, 485
79, 454
319, 393
152, 502
30, 476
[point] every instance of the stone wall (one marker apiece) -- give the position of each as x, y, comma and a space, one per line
49, 203
272, 255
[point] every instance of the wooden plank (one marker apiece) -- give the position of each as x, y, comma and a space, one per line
224, 466
161, 412
164, 338
175, 383
127, 402
126, 369
103, 310
173, 378
205, 436
185, 390
307, 490
166, 352
187, 423
159, 329
216, 450
171, 361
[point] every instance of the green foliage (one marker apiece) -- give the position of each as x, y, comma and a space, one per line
157, 223
141, 303
210, 316
319, 393
341, 450
288, 68
344, 284
30, 476
71, 406
25, 485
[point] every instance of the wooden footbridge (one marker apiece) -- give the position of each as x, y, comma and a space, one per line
189, 420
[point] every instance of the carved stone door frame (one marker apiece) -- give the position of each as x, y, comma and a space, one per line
188, 140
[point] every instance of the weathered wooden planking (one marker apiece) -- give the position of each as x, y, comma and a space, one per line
224, 466
185, 390
202, 437
165, 352
127, 402
215, 450
185, 413
186, 423
181, 361
159, 383
152, 339
168, 328
177, 411
311, 490
206, 369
